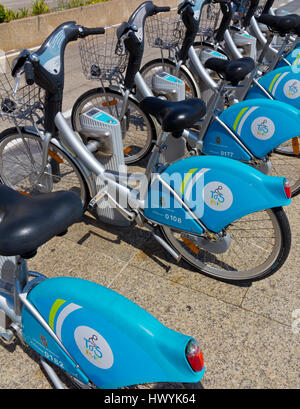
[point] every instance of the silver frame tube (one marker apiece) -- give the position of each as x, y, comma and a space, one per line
231, 45
201, 71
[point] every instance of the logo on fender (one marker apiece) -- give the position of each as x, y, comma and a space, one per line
263, 128
292, 89
217, 196
94, 347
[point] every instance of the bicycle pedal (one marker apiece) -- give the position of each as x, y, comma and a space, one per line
100, 196
6, 335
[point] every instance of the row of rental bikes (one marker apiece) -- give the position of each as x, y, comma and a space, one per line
214, 123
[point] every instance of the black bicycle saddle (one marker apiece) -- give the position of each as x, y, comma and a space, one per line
288, 24
27, 222
232, 71
174, 116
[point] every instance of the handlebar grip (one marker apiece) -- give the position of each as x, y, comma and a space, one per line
161, 9
29, 73
91, 31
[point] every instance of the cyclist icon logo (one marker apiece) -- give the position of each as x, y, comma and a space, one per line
92, 349
217, 196
262, 129
293, 89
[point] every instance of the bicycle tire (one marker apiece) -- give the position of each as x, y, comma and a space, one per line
136, 146
278, 252
17, 169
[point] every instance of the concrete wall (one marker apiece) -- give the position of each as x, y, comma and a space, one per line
32, 31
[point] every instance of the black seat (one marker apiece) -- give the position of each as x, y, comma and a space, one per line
288, 24
28, 222
174, 116
232, 71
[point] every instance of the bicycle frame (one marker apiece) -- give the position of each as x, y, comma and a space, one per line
139, 202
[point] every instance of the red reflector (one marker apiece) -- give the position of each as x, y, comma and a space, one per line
287, 189
194, 356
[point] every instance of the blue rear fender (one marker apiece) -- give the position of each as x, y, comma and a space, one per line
114, 341
260, 124
282, 83
218, 190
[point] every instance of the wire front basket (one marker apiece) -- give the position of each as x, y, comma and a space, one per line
165, 31
22, 103
240, 10
102, 58
210, 20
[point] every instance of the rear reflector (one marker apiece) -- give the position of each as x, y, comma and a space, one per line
194, 356
295, 145
287, 188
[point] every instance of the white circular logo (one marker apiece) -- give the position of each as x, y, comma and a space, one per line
291, 89
217, 196
263, 128
94, 347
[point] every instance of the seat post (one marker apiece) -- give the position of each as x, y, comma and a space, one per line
21, 278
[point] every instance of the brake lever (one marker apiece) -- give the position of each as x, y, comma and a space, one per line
17, 82
124, 37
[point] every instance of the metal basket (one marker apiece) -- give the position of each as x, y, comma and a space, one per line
240, 10
21, 105
210, 20
101, 56
260, 8
165, 31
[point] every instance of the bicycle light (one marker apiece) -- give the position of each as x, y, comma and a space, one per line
287, 188
194, 356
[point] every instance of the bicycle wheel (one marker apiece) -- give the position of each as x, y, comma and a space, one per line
260, 244
285, 160
138, 129
165, 65
21, 160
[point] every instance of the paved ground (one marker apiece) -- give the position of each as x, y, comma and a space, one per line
245, 331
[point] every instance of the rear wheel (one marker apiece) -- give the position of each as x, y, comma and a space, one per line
260, 244
138, 129
21, 161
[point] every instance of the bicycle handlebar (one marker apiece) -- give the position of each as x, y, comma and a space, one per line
161, 9
84, 31
132, 33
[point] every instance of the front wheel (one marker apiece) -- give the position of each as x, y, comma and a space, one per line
21, 161
259, 245
138, 130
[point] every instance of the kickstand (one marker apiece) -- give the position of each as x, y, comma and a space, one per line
52, 375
